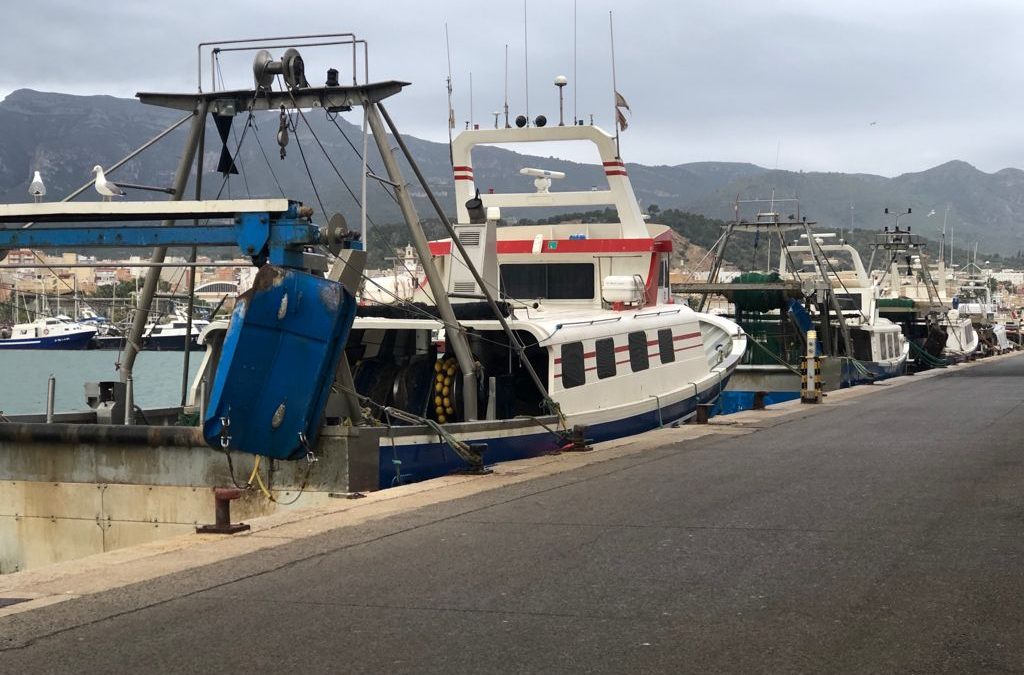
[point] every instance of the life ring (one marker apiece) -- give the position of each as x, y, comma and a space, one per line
46, 331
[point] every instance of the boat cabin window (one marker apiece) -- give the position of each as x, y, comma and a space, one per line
666, 346
52, 322
605, 351
573, 372
638, 359
552, 281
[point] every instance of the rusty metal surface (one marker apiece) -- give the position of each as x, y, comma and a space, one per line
112, 434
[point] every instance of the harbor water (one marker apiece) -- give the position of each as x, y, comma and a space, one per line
157, 378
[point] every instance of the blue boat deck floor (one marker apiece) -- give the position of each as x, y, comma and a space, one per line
880, 532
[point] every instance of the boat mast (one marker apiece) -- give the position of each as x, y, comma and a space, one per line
454, 334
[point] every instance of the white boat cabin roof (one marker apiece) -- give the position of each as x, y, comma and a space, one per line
562, 326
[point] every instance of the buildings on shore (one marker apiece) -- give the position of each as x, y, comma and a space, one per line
51, 283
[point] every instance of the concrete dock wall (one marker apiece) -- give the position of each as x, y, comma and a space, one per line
63, 500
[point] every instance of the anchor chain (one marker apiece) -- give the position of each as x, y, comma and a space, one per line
282, 132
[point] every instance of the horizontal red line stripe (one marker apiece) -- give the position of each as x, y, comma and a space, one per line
468, 169
614, 162
615, 172
514, 246
685, 336
463, 178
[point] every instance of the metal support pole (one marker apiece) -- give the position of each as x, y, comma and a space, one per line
202, 399
51, 394
492, 398
192, 274
129, 401
132, 345
453, 330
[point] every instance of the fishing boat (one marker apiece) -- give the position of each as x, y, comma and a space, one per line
47, 333
816, 283
586, 343
873, 346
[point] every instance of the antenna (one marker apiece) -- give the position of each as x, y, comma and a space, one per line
451, 110
574, 62
526, 61
507, 125
471, 119
942, 242
615, 88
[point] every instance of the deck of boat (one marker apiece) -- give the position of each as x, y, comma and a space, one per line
880, 532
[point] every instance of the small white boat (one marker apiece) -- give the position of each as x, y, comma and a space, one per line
47, 333
170, 335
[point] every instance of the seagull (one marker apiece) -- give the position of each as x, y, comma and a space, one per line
105, 187
37, 189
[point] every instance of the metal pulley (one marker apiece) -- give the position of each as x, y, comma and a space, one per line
336, 234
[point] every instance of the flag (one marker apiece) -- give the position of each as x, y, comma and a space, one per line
620, 117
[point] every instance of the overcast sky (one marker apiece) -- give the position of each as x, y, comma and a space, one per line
870, 86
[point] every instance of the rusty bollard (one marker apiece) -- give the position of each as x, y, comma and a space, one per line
223, 525
578, 440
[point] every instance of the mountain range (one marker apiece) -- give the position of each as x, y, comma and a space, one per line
63, 136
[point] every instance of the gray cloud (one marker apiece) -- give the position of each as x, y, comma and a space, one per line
795, 82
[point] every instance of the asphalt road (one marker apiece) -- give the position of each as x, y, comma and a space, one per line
884, 535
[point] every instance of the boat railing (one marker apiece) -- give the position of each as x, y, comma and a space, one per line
664, 312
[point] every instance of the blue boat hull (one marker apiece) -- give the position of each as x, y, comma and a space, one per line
738, 401
408, 463
67, 341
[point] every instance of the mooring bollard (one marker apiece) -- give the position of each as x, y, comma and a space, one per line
810, 380
578, 441
703, 413
222, 513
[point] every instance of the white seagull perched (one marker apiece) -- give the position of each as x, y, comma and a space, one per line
37, 189
105, 187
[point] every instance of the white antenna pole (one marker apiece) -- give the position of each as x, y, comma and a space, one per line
942, 242
615, 88
526, 62
451, 110
471, 118
574, 62
951, 247
507, 125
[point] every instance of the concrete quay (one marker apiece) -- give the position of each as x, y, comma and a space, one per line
881, 531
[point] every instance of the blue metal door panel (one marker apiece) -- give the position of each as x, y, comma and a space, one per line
278, 363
